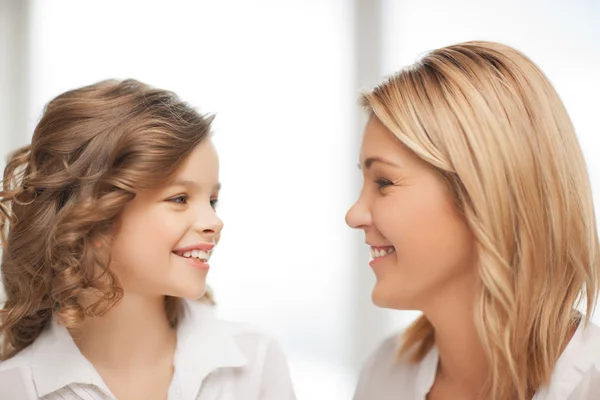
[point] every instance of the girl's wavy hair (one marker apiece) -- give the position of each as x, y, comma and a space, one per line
92, 150
488, 120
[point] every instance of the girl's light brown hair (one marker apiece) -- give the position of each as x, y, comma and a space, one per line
488, 120
92, 150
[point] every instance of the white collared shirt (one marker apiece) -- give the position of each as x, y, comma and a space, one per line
576, 375
214, 360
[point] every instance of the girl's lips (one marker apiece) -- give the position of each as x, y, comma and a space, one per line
197, 246
195, 262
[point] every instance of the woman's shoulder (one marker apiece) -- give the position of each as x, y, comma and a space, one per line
576, 375
387, 371
583, 351
590, 339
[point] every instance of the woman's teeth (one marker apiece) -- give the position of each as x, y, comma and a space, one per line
200, 254
380, 252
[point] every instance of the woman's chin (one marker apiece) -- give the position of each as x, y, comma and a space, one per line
393, 298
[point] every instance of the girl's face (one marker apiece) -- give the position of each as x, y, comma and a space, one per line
420, 243
165, 237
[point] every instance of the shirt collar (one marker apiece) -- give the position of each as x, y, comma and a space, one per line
576, 362
427, 371
57, 362
204, 344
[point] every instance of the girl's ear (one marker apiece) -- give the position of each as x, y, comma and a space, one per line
106, 238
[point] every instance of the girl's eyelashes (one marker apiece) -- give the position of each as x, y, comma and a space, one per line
180, 199
184, 198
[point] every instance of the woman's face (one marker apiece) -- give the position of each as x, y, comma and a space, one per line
421, 246
165, 236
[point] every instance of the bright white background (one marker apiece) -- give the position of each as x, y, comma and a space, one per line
283, 77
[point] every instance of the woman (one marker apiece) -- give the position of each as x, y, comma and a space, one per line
477, 206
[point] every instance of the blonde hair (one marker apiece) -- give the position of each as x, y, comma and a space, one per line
92, 150
488, 120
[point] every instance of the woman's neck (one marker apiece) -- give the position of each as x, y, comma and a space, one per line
463, 362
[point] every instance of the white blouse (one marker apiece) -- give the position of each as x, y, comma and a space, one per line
576, 375
214, 360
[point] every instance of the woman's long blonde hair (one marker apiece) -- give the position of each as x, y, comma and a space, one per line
490, 122
94, 148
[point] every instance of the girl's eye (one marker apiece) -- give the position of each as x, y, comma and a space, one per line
181, 199
213, 203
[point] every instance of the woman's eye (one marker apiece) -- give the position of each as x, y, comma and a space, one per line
382, 183
182, 199
213, 203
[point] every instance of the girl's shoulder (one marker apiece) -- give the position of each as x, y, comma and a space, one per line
201, 322
16, 379
238, 356
21, 360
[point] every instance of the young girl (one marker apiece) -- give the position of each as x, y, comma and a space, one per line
477, 206
108, 222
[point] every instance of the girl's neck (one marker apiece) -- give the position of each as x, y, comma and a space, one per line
135, 332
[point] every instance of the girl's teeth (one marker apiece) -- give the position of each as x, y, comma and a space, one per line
201, 254
196, 254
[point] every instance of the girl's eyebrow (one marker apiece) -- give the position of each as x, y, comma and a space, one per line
192, 184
